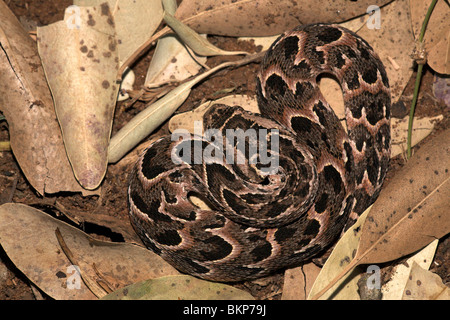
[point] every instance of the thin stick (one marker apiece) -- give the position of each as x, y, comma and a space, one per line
92, 286
141, 50
418, 78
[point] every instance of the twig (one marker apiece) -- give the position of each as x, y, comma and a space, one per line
102, 282
97, 290
234, 64
393, 63
141, 50
13, 188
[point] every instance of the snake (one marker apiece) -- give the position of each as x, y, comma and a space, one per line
258, 218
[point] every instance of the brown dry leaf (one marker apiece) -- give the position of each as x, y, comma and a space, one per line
414, 206
425, 285
81, 67
264, 17
437, 33
422, 127
26, 101
412, 209
40, 257
298, 281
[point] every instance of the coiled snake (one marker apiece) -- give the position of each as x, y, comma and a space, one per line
262, 221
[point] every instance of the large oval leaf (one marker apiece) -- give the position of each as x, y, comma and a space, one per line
179, 288
265, 17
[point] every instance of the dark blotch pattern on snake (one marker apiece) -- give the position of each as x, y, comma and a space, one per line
259, 223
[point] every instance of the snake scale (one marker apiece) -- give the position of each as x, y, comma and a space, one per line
260, 221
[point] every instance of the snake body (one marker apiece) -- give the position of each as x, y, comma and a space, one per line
258, 222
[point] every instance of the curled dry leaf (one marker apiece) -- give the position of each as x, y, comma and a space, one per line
26, 102
81, 63
264, 17
437, 34
179, 287
40, 257
128, 80
411, 211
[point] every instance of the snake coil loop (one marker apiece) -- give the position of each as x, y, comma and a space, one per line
261, 220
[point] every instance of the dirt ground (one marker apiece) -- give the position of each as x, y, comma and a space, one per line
105, 216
